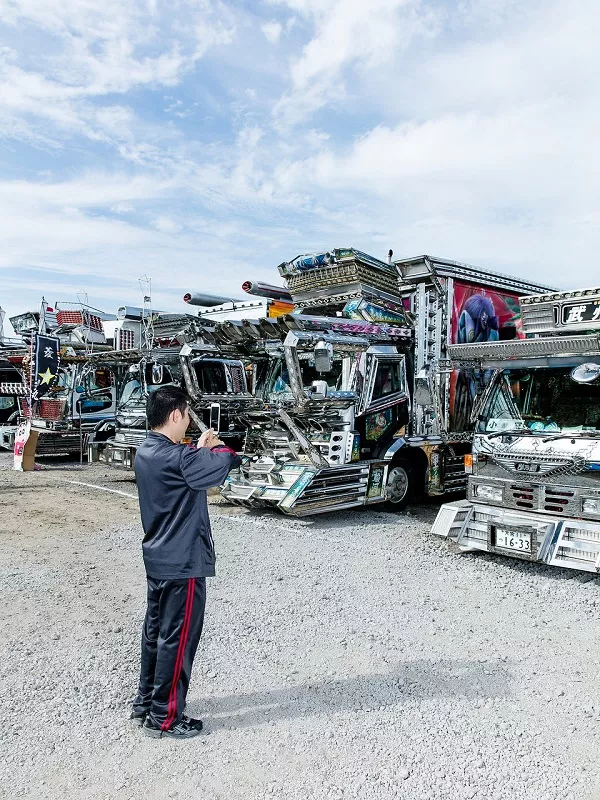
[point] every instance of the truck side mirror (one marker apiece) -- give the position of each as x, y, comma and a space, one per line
423, 394
323, 354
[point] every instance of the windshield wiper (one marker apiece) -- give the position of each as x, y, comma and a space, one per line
570, 435
514, 432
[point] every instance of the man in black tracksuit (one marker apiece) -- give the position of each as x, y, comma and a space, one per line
179, 555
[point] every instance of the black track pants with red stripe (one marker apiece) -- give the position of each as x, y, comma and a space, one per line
172, 628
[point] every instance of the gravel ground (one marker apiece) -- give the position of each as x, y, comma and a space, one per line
350, 655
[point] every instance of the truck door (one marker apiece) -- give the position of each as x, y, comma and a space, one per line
8, 402
384, 404
95, 395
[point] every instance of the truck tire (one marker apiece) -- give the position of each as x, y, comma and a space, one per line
400, 484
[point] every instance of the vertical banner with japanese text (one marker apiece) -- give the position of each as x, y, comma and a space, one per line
45, 364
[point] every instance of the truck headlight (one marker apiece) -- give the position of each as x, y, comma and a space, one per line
487, 492
591, 505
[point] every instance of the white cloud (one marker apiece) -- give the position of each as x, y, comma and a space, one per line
487, 152
166, 225
90, 190
91, 50
466, 130
348, 34
272, 31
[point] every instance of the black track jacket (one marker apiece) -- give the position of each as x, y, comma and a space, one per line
172, 480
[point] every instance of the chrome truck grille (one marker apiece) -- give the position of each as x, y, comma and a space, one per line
554, 499
333, 489
132, 436
548, 498
299, 489
477, 533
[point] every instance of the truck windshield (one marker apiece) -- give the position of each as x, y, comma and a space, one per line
211, 377
310, 374
545, 399
279, 383
63, 383
132, 391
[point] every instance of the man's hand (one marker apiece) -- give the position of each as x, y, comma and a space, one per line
209, 439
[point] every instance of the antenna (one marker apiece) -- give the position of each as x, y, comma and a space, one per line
147, 321
42, 321
82, 299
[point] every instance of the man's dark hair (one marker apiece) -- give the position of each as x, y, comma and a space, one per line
161, 404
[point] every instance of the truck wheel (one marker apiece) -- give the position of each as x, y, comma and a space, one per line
400, 484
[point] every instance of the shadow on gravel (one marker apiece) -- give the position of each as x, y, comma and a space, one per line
342, 520
523, 569
412, 681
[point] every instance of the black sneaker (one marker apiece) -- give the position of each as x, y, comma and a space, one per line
138, 718
186, 728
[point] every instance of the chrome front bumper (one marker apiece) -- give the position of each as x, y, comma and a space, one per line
7, 436
121, 456
300, 489
559, 541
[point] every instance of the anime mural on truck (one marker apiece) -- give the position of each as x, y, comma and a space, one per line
478, 315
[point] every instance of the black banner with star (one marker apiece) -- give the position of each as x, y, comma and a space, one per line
45, 364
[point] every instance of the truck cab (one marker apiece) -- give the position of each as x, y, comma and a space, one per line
11, 389
333, 395
534, 491
221, 389
401, 427
115, 441
83, 397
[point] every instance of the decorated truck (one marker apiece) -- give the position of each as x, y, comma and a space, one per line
12, 389
213, 376
534, 488
346, 406
66, 401
115, 442
139, 372
64, 392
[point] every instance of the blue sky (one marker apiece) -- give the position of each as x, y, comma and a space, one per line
202, 143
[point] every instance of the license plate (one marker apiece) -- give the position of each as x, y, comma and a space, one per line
526, 467
513, 540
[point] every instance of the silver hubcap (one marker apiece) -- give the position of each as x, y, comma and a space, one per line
397, 485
